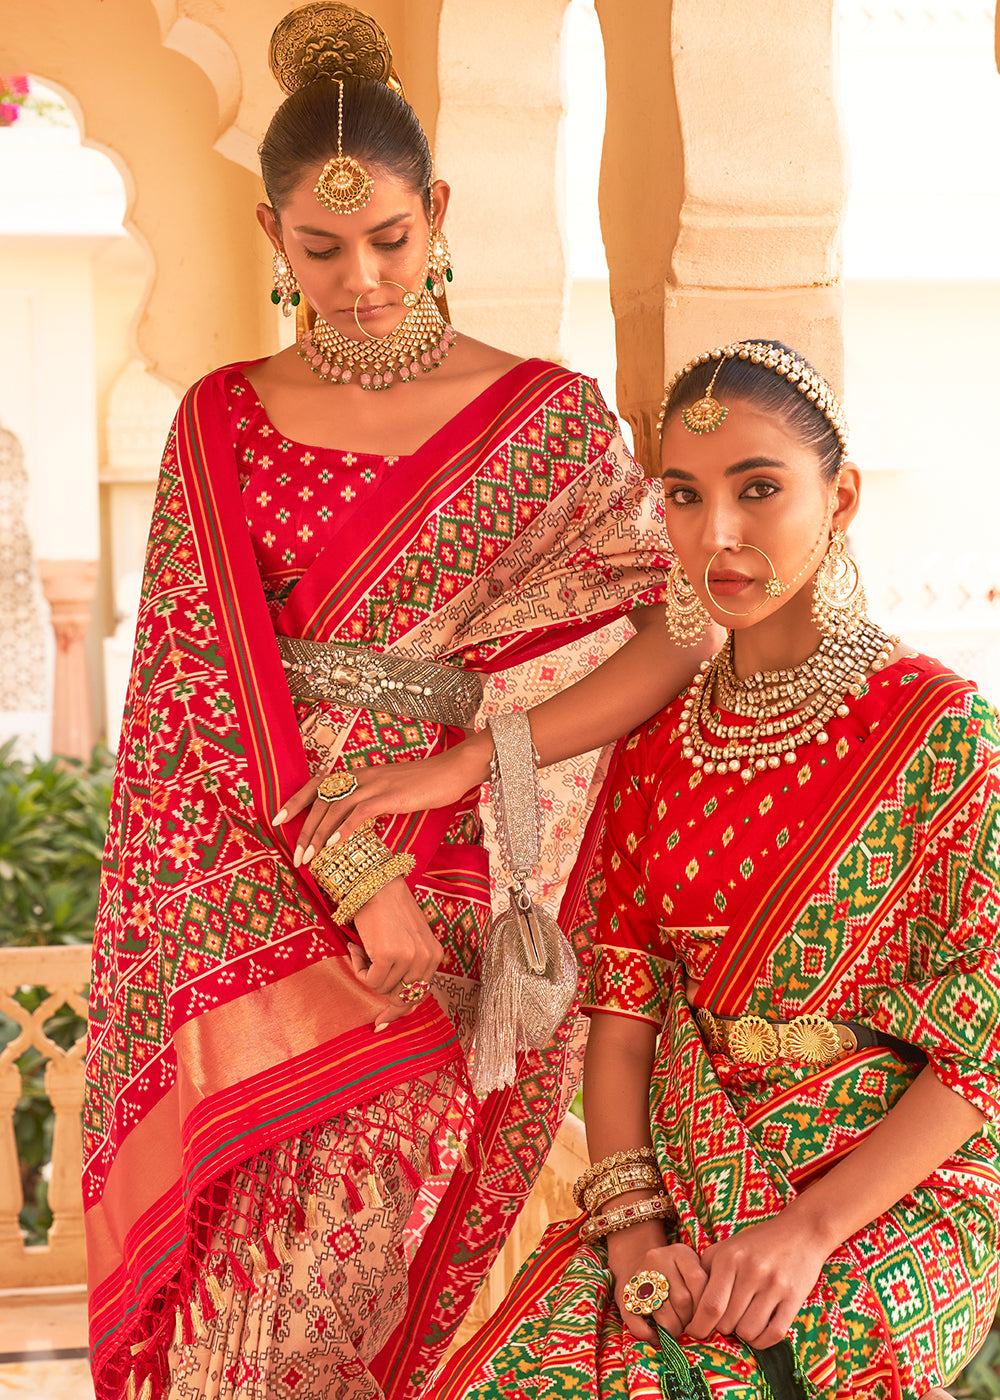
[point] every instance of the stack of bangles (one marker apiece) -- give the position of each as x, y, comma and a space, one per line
633, 1170
351, 871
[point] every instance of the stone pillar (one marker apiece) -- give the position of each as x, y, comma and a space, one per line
498, 145
69, 586
723, 186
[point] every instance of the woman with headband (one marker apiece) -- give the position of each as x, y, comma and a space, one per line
792, 1079
290, 1189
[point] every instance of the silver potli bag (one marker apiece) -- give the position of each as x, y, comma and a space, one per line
529, 972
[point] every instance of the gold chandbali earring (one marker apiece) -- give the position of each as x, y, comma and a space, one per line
418, 344
286, 290
687, 618
839, 602
344, 185
438, 263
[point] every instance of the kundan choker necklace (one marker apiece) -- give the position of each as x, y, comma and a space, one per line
783, 710
418, 344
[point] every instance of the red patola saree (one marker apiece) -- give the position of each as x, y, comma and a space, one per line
860, 885
242, 1119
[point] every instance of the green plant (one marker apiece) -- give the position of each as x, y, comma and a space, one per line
53, 814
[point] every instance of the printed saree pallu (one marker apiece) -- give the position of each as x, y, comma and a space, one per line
859, 885
225, 1018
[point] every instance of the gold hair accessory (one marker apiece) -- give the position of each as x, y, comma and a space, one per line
412, 991
645, 1292
773, 586
344, 185
329, 40
839, 600
286, 289
808, 382
685, 614
707, 413
336, 786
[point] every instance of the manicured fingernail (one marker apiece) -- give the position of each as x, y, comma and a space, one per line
310, 851
332, 840
297, 857
383, 1027
281, 816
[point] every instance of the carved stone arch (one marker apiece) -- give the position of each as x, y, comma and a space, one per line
157, 114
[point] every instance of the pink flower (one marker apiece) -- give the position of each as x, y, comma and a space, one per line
8, 113
16, 83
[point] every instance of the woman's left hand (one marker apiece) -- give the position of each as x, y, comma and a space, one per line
384, 789
758, 1280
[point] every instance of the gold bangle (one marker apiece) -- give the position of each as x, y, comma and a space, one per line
636, 1213
336, 868
361, 892
635, 1177
606, 1164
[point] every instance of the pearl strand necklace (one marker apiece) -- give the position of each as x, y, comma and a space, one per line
786, 709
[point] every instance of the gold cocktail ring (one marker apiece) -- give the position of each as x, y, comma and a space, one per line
645, 1292
336, 786
413, 991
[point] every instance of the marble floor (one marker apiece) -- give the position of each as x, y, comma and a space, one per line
43, 1345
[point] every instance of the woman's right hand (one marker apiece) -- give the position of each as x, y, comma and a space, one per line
396, 946
678, 1263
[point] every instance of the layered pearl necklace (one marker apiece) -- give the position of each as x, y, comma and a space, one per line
784, 710
417, 345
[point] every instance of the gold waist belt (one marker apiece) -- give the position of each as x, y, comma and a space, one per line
811, 1040
362, 679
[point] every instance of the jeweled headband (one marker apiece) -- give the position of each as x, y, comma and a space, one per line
708, 413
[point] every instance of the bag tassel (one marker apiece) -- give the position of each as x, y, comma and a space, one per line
130, 1386
271, 1259
146, 1389
298, 1215
281, 1247
178, 1329
312, 1213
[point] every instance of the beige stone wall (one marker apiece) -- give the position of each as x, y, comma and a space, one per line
723, 185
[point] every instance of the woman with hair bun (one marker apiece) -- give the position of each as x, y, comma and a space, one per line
792, 1079
290, 1188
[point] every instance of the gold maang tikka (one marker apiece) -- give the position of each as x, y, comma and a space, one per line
707, 413
344, 185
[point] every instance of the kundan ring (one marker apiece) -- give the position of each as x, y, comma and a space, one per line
413, 991
645, 1292
336, 786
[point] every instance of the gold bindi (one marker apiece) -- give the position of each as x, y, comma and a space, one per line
344, 185
707, 413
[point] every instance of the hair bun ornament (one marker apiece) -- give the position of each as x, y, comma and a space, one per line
328, 40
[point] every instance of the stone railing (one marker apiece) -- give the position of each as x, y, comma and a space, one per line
64, 973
